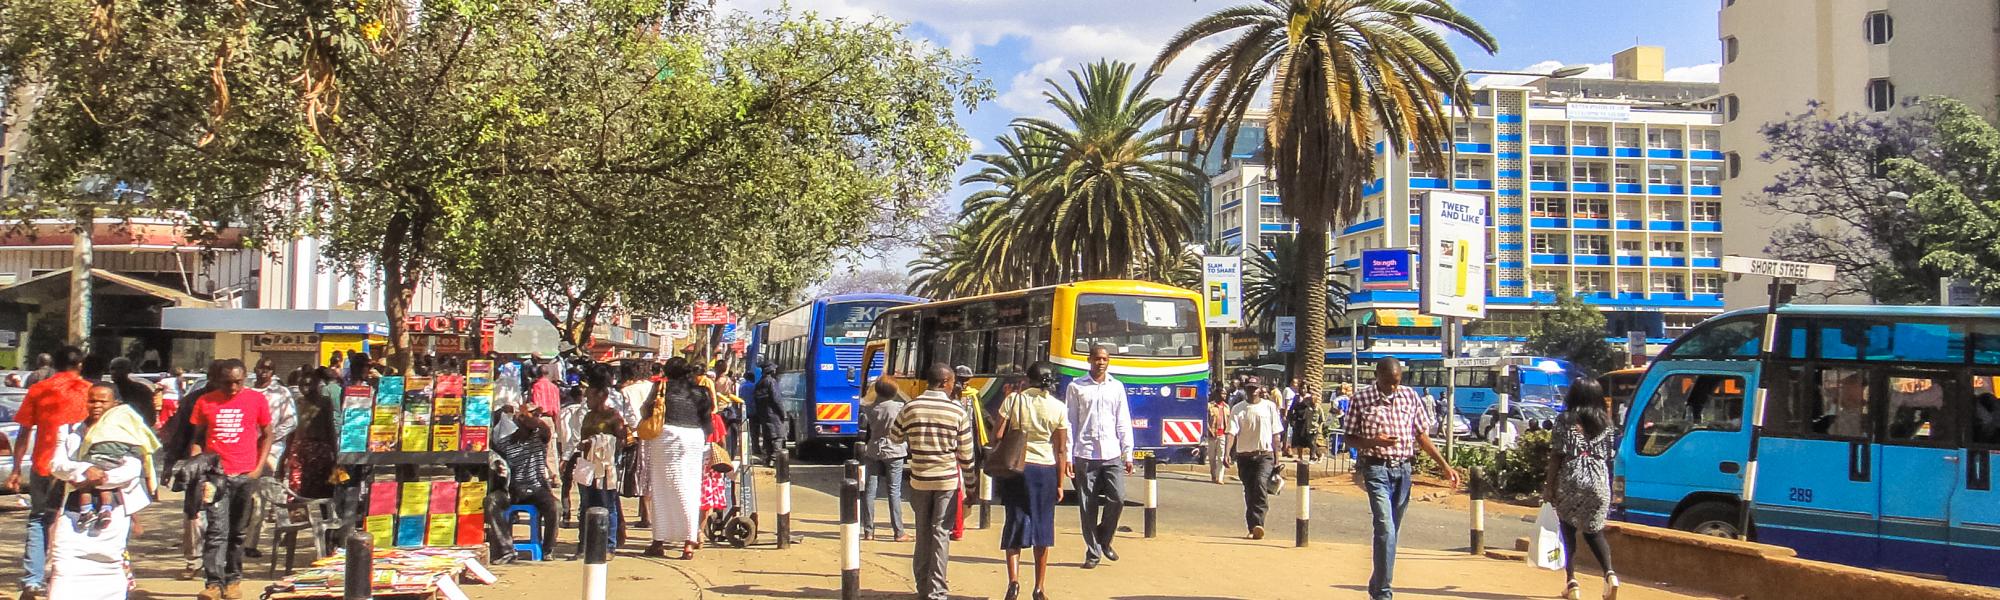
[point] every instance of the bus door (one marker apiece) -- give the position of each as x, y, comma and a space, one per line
1975, 507
1819, 489
1685, 467
1919, 450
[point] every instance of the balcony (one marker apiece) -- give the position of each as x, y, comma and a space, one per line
1548, 222
1589, 223
1626, 152
1550, 259
1590, 187
1591, 259
1631, 261
1657, 225
1630, 188
1708, 263
1705, 154
1631, 225
1373, 187
1705, 190
1666, 261
1665, 153
1476, 148
1548, 186
1708, 226
1665, 189
1590, 150
1362, 226
1548, 150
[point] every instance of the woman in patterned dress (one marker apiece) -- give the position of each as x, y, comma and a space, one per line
1578, 483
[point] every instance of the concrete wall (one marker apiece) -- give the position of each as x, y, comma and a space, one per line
1759, 572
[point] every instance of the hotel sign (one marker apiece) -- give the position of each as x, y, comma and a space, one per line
1586, 111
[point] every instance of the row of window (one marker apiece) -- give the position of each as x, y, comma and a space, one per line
1600, 245
1600, 172
1656, 138
1597, 208
1603, 282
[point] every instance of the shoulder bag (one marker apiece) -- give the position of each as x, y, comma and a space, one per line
654, 423
1009, 456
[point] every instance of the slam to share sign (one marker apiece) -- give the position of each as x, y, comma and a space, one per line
1222, 291
1386, 269
1454, 255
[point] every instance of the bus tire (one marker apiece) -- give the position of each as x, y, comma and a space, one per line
1713, 518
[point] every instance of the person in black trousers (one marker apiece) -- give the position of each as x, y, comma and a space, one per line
767, 415
526, 454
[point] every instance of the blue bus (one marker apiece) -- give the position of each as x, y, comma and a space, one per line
1530, 380
817, 346
1879, 433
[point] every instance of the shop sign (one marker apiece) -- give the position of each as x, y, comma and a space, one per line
710, 314
451, 324
285, 342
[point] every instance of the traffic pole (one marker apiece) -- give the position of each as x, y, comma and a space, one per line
359, 578
985, 500
1152, 495
850, 533
784, 502
1305, 505
1478, 511
596, 551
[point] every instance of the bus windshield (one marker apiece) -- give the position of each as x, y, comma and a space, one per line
1138, 326
847, 324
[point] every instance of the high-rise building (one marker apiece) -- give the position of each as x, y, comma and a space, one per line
1850, 56
1605, 187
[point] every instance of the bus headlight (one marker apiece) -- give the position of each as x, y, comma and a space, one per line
1618, 492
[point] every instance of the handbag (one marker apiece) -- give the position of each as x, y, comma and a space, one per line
654, 423
1009, 457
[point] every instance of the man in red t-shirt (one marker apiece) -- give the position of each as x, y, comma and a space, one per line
235, 425
52, 405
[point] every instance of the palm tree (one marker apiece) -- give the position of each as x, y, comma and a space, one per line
1120, 189
1272, 285
1341, 74
999, 236
949, 266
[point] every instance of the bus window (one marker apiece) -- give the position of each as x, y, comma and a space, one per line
1985, 411
1840, 402
1916, 409
1137, 326
1734, 338
1689, 402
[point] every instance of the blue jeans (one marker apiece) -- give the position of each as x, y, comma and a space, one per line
879, 471
594, 497
42, 505
1388, 494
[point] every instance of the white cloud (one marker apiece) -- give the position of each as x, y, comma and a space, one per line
1705, 73
1023, 94
1596, 71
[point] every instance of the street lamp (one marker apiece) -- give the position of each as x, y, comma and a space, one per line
1448, 338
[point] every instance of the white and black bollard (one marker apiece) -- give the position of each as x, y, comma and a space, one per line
1305, 505
850, 532
985, 500
359, 578
1478, 511
596, 551
784, 502
1152, 495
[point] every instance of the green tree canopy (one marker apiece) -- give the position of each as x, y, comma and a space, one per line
1573, 330
1957, 197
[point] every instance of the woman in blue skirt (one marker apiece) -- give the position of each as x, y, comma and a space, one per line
1031, 498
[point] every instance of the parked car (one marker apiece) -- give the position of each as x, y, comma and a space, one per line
10, 402
1526, 418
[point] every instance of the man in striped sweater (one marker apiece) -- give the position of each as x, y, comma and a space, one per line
939, 434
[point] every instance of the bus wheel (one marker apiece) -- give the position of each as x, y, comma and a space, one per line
1709, 518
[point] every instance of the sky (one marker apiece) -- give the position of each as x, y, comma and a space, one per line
1020, 43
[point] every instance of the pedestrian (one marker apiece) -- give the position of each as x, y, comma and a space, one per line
543, 392
525, 452
639, 380
1101, 446
568, 446
106, 461
309, 454
968, 399
284, 420
235, 425
1257, 432
1303, 424
44, 368
1389, 423
1216, 434
1578, 482
676, 456
602, 433
884, 459
939, 435
53, 403
1031, 498
177, 436
132, 392
767, 415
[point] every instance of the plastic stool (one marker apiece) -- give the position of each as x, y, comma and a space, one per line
534, 544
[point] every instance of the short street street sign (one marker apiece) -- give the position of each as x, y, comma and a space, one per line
1777, 268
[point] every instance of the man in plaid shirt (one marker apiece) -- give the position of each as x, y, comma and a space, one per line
1388, 423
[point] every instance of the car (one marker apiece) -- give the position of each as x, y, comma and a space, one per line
1526, 418
10, 402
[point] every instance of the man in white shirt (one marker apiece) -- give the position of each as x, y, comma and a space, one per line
1257, 430
1101, 447
284, 419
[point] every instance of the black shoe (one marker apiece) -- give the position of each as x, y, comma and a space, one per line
252, 553
1013, 590
1089, 562
1109, 555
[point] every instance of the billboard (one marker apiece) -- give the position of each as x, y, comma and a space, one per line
1288, 334
1222, 290
710, 314
1387, 269
1454, 255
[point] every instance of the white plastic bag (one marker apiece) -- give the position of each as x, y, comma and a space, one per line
1545, 550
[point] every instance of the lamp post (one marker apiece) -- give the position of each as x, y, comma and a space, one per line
1448, 337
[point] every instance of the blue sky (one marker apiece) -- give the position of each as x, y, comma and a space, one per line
1019, 43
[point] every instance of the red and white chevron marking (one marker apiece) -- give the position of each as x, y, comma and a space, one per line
1180, 432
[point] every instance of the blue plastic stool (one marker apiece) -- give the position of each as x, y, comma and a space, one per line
534, 544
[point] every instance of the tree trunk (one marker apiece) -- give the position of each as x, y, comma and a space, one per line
1311, 334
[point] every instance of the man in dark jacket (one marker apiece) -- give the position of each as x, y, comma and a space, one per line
134, 393
176, 436
767, 415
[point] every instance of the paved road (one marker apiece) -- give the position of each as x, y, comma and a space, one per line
1191, 505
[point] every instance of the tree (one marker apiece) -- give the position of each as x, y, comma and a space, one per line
1837, 196
1573, 330
1957, 195
864, 281
1271, 282
1006, 253
1341, 73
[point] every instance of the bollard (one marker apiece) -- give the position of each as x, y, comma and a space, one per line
1478, 511
784, 502
1152, 495
985, 500
596, 550
850, 533
1305, 504
359, 579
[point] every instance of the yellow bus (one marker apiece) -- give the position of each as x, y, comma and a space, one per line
1154, 333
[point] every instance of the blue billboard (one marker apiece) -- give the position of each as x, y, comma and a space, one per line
1386, 269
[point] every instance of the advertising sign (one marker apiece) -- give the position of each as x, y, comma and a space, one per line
1222, 290
1288, 334
1454, 255
1586, 111
1386, 269
710, 314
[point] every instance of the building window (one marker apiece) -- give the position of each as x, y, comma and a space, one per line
1628, 283
1548, 281
1879, 27
1628, 210
1707, 247
1708, 283
1545, 206
1545, 170
1419, 170
1667, 210
1705, 211
1670, 248
1628, 247
1268, 241
1704, 175
1729, 108
1271, 213
1591, 136
1592, 282
1669, 283
1545, 243
1664, 139
1470, 168
1547, 135
1663, 174
1591, 208
1881, 95
1733, 162
1706, 139
1628, 137
1268, 186
1594, 245
1628, 173
1588, 172
1729, 50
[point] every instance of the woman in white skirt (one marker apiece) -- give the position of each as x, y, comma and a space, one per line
674, 458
